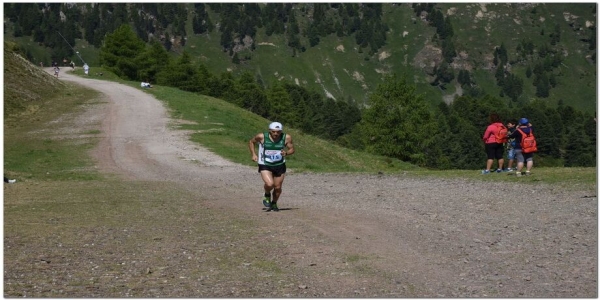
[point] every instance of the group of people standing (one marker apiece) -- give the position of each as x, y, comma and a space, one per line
495, 142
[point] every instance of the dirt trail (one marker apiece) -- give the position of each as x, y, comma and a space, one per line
411, 237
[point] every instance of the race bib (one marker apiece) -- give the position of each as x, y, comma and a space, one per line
272, 156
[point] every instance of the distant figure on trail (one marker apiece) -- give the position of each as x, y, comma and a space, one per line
273, 147
494, 148
86, 69
73, 65
56, 70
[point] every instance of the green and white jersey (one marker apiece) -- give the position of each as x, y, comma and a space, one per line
269, 152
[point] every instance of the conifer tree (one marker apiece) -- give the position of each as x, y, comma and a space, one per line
167, 43
251, 96
152, 60
464, 78
398, 122
180, 73
120, 50
448, 50
280, 104
578, 151
542, 86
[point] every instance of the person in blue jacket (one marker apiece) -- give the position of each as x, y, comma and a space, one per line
526, 127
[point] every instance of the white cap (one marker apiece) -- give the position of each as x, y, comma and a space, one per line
276, 126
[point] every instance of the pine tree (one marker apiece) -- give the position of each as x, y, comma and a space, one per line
251, 96
448, 51
513, 86
226, 39
180, 73
464, 78
350, 115
151, 61
120, 50
29, 18
398, 122
438, 156
332, 118
592, 38
578, 153
280, 105
446, 31
444, 74
90, 24
17, 31
313, 36
543, 86
235, 59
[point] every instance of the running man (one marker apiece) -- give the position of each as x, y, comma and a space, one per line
273, 146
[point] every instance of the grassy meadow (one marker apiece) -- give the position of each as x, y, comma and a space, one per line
37, 145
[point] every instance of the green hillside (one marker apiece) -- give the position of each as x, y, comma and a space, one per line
25, 87
339, 68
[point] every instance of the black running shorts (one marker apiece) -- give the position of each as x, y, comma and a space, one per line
276, 170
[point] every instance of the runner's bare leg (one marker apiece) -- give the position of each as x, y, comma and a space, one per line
278, 181
267, 177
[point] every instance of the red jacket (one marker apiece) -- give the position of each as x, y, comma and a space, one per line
489, 136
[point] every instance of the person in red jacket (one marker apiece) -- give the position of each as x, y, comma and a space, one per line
494, 149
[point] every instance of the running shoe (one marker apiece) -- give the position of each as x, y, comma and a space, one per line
484, 172
267, 201
518, 174
527, 173
274, 207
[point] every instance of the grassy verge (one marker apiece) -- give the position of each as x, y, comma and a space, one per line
567, 178
38, 145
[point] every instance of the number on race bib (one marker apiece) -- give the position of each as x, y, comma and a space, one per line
273, 155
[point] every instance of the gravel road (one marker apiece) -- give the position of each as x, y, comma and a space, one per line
419, 237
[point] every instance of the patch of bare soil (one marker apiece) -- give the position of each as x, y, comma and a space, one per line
428, 58
348, 235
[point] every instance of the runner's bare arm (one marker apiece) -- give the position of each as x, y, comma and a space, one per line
290, 146
252, 144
